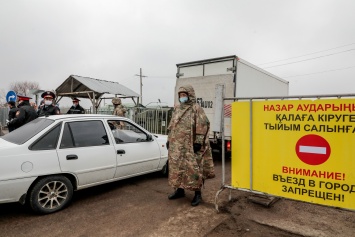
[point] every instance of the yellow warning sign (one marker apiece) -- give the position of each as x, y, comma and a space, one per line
298, 149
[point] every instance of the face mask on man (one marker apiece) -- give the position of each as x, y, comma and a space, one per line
183, 99
48, 102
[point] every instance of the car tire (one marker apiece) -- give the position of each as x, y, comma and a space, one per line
165, 170
50, 194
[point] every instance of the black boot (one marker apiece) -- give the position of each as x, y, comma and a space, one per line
179, 193
197, 199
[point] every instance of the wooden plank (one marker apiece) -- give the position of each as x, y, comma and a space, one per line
264, 200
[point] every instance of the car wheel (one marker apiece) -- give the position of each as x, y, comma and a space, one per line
51, 194
165, 170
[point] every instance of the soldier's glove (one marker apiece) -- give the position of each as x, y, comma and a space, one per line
197, 147
167, 145
7, 122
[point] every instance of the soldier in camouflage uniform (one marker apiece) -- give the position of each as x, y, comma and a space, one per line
119, 110
190, 156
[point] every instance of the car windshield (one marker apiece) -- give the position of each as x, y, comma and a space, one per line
27, 131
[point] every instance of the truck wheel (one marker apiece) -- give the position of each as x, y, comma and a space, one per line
50, 194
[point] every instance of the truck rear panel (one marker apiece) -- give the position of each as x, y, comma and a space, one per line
240, 79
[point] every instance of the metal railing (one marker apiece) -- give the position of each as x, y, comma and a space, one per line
4, 113
155, 120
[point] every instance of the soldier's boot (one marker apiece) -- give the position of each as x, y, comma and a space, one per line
197, 199
179, 193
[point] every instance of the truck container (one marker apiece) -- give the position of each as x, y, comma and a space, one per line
240, 79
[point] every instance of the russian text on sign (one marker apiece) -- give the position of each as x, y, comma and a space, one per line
313, 173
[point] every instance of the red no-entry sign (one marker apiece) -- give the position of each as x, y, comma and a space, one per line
313, 149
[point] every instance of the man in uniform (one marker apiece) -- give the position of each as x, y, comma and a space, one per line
12, 114
48, 108
76, 108
25, 113
190, 156
119, 109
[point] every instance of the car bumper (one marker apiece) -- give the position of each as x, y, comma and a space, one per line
12, 190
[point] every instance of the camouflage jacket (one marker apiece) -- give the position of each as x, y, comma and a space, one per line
119, 110
189, 124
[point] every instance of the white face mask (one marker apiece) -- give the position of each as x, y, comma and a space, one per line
183, 99
47, 102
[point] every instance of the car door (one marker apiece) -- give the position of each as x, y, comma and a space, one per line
86, 151
137, 151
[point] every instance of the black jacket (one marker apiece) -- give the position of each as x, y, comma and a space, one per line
12, 115
26, 113
46, 110
76, 110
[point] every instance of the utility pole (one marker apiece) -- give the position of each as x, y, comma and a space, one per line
141, 85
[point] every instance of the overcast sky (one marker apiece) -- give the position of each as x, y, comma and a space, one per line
46, 41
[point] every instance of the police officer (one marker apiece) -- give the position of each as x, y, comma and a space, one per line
76, 108
12, 114
25, 113
48, 108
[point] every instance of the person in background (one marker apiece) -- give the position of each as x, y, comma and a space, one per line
58, 107
39, 107
189, 152
34, 105
76, 108
48, 108
119, 109
25, 113
12, 114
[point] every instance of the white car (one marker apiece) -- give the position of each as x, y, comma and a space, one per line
44, 161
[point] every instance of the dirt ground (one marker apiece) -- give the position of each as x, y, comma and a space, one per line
139, 207
283, 218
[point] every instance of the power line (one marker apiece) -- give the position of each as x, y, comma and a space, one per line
311, 58
306, 54
320, 72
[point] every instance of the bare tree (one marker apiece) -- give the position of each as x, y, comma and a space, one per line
22, 88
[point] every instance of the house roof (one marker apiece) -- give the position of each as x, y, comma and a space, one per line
84, 87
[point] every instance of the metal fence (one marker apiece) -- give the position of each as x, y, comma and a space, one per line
155, 120
4, 113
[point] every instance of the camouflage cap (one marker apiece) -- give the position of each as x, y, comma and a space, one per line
116, 101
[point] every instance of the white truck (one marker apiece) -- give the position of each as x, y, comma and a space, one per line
240, 79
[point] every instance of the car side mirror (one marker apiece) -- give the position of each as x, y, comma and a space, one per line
149, 137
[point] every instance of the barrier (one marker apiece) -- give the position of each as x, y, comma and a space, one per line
294, 148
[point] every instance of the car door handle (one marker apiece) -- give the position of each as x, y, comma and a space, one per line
72, 157
121, 152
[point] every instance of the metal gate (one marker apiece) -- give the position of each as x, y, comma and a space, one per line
292, 132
